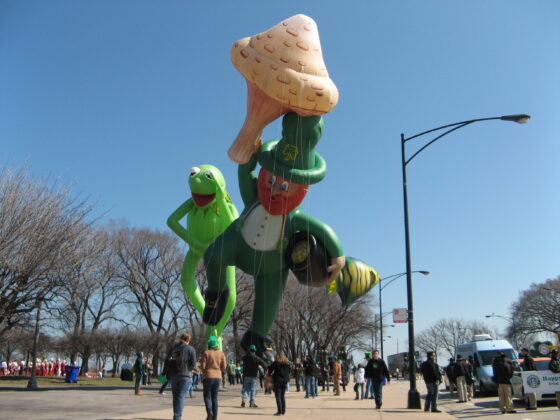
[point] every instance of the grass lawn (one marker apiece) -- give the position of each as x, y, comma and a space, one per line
59, 381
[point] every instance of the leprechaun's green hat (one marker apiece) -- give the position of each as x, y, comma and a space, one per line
293, 156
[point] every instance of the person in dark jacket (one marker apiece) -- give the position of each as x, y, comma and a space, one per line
138, 370
459, 372
554, 367
449, 372
528, 364
310, 371
181, 380
377, 373
432, 378
280, 371
503, 372
251, 363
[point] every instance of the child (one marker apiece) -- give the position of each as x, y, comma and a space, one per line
359, 382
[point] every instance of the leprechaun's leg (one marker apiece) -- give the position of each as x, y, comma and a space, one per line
269, 288
231, 286
189, 283
221, 254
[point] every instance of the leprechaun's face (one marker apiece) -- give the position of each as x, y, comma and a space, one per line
278, 195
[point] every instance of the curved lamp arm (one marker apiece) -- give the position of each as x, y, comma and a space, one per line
518, 118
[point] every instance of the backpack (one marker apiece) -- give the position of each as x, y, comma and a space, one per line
174, 362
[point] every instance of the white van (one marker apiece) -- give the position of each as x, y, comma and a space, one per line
484, 350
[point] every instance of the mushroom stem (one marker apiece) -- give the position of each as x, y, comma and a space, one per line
261, 111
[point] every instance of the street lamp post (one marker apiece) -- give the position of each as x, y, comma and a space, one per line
413, 394
512, 322
391, 279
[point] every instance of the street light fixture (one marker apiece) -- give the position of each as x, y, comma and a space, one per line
413, 394
511, 321
391, 279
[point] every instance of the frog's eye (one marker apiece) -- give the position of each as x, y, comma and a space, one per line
285, 186
208, 174
272, 180
194, 171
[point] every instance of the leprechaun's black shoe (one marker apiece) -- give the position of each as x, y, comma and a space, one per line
215, 307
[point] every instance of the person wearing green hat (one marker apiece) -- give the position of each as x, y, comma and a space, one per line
251, 363
213, 366
256, 241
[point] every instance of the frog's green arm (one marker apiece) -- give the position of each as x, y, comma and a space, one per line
248, 181
323, 232
175, 226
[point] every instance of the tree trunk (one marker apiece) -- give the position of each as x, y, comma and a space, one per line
85, 361
32, 384
235, 338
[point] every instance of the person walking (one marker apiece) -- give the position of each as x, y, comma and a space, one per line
298, 374
213, 365
469, 377
280, 372
337, 375
238, 373
503, 372
178, 368
359, 381
368, 385
251, 363
138, 369
432, 378
231, 373
554, 367
459, 372
377, 373
450, 377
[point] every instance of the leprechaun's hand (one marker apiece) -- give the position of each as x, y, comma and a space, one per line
337, 264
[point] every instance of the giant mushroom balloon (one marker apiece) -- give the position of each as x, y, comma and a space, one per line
285, 71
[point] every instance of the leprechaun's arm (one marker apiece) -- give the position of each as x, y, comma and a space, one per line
248, 181
320, 230
184, 234
326, 236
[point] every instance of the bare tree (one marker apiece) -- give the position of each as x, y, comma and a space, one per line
150, 267
118, 344
40, 227
91, 293
446, 334
309, 320
537, 311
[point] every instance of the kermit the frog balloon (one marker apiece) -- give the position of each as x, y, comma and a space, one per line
209, 212
257, 241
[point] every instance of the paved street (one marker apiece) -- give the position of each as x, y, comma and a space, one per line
120, 404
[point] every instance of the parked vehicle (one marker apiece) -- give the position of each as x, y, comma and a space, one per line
541, 364
484, 350
397, 361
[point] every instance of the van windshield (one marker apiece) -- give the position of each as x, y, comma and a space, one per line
488, 356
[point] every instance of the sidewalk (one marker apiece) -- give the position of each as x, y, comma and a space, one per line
326, 406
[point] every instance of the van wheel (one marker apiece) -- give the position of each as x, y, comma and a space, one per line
482, 389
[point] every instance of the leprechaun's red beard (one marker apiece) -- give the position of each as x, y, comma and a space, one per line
274, 198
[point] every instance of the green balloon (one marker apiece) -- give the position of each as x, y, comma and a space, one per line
209, 212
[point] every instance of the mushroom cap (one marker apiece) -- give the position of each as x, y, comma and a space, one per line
286, 62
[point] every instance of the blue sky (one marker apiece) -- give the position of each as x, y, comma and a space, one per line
120, 99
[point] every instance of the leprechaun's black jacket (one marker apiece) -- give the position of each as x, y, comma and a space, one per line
377, 370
